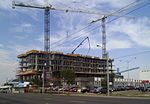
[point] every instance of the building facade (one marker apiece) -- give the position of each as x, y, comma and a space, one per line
145, 75
34, 63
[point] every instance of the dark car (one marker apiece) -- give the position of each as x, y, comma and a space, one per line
85, 89
95, 89
119, 88
148, 88
130, 88
73, 89
104, 90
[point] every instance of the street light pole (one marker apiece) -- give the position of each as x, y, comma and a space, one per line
128, 71
43, 84
128, 67
107, 66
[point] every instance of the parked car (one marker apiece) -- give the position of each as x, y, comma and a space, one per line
3, 91
95, 89
141, 88
130, 88
104, 90
148, 88
55, 88
73, 89
85, 89
119, 88
98, 90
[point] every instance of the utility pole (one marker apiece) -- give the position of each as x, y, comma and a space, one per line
107, 64
107, 69
43, 82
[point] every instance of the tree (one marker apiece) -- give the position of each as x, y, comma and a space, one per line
104, 82
68, 75
111, 79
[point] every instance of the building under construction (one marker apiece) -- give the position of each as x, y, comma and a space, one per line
33, 62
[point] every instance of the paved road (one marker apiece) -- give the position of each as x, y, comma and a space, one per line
56, 99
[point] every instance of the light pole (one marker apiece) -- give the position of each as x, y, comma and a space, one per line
43, 84
107, 64
128, 61
107, 67
127, 67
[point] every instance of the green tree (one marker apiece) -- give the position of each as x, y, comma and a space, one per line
111, 79
104, 82
68, 75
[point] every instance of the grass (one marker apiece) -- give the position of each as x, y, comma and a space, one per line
131, 94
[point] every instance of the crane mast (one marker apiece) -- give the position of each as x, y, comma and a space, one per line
104, 38
47, 64
47, 30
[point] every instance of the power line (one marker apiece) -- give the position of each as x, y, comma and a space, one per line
128, 6
76, 38
71, 34
138, 53
106, 22
124, 8
128, 13
90, 24
120, 16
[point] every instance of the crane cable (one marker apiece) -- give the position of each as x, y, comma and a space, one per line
88, 25
98, 25
112, 20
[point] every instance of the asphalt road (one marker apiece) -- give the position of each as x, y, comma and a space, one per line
56, 99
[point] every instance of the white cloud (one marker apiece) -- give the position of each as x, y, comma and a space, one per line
8, 59
93, 3
7, 65
118, 44
131, 33
137, 30
1, 45
23, 48
5, 4
24, 27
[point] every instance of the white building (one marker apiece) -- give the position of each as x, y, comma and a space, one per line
144, 75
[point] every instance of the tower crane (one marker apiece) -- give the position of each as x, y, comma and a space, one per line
103, 24
47, 9
81, 44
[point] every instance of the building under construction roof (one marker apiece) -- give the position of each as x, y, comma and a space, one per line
32, 64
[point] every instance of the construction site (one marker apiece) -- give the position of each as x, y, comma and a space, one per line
44, 67
32, 64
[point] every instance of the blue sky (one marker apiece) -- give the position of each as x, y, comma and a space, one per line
21, 29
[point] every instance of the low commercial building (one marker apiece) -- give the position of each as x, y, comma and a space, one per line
127, 82
34, 63
145, 75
